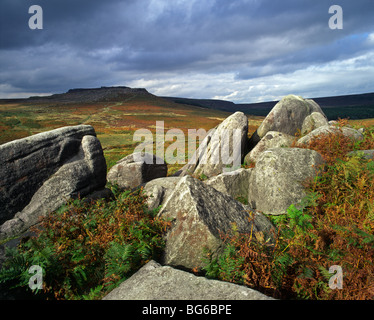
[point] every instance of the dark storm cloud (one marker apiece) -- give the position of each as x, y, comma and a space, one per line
95, 42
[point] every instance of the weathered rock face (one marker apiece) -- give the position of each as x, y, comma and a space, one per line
223, 147
40, 172
158, 190
199, 214
277, 179
287, 116
354, 134
234, 183
272, 139
156, 282
137, 168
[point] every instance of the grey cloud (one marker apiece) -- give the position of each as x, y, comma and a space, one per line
90, 42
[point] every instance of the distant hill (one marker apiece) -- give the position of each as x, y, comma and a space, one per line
89, 95
356, 106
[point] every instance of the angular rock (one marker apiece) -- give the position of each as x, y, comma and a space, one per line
200, 214
156, 282
222, 149
329, 129
277, 180
287, 116
272, 139
313, 121
81, 174
158, 190
137, 168
234, 183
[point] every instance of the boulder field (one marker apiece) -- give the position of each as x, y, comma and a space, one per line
40, 173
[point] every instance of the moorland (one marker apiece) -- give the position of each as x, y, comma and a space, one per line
117, 112
334, 228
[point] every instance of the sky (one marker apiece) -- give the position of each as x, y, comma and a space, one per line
243, 51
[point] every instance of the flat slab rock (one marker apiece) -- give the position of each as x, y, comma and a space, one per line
156, 282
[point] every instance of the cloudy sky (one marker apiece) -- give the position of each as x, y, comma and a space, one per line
243, 50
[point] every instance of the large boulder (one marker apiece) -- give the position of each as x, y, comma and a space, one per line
222, 149
272, 139
234, 183
200, 214
287, 116
156, 282
136, 169
277, 180
39, 173
351, 133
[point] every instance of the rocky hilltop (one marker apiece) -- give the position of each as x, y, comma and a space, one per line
89, 95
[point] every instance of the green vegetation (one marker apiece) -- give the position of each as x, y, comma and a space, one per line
87, 249
334, 225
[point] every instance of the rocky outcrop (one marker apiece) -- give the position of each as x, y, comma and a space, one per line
353, 134
156, 282
200, 214
136, 169
277, 180
221, 150
39, 173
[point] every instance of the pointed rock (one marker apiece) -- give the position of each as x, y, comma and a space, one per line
222, 149
200, 214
